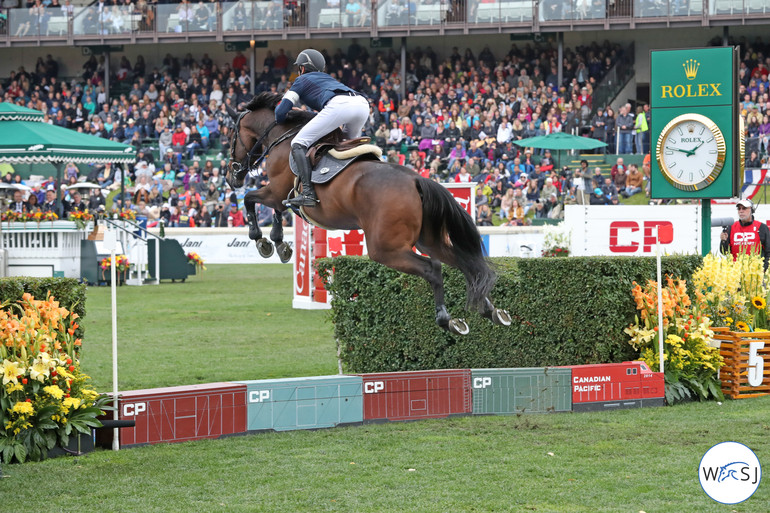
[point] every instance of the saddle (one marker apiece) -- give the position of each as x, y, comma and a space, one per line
340, 149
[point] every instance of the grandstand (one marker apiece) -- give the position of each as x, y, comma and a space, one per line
438, 60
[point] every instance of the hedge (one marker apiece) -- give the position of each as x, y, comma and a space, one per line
68, 292
566, 311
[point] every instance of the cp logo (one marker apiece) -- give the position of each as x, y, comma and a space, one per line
649, 231
133, 409
745, 237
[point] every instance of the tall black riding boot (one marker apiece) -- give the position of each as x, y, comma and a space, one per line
308, 197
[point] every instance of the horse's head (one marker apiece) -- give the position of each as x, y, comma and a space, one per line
251, 138
239, 165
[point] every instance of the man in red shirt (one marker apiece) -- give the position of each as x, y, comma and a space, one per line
746, 236
235, 218
239, 61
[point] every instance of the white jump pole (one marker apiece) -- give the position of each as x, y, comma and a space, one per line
660, 296
111, 242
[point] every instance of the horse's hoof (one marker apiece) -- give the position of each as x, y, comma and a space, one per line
458, 327
254, 233
501, 317
284, 252
265, 248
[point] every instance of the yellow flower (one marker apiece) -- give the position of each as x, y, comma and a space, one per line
728, 320
14, 388
23, 408
758, 302
54, 391
89, 395
71, 402
10, 371
61, 371
742, 326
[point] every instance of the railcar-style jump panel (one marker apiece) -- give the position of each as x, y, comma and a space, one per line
303, 403
616, 386
527, 390
179, 414
417, 394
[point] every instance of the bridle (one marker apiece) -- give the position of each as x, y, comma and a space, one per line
248, 163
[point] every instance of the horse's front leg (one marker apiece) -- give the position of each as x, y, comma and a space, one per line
276, 235
250, 201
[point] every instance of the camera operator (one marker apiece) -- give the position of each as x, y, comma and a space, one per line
746, 236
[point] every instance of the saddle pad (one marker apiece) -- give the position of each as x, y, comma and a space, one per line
328, 167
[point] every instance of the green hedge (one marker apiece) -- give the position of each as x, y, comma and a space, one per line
566, 311
68, 292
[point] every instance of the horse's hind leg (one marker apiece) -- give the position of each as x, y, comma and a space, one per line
430, 270
496, 315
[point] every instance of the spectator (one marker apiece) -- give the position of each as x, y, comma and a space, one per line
96, 201
235, 217
634, 182
625, 124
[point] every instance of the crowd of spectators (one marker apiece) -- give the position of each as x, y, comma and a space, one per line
456, 118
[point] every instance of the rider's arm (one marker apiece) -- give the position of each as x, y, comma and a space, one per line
290, 99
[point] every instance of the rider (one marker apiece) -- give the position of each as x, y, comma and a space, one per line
337, 105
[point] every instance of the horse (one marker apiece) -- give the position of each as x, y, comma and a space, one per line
397, 209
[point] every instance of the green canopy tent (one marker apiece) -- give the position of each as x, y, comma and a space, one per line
25, 138
560, 141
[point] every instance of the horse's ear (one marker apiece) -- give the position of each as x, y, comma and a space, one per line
233, 113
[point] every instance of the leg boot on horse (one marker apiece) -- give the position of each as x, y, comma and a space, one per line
308, 197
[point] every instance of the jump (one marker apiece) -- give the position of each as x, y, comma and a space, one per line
397, 209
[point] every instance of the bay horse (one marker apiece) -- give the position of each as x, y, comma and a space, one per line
396, 208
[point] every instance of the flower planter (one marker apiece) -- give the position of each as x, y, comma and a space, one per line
107, 277
80, 443
746, 371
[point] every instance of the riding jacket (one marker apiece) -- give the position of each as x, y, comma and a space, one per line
314, 89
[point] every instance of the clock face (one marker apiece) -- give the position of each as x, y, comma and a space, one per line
691, 152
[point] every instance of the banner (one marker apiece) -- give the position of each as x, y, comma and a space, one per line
630, 230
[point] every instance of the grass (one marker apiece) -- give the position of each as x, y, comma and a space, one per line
623, 461
216, 327
230, 322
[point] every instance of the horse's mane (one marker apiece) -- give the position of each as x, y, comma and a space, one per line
267, 100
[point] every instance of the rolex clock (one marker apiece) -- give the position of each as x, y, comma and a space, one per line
691, 152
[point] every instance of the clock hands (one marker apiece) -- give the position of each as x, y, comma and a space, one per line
692, 152
688, 152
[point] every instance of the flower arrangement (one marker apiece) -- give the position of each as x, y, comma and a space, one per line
50, 216
126, 214
692, 365
11, 215
733, 292
121, 264
81, 218
44, 396
196, 260
556, 241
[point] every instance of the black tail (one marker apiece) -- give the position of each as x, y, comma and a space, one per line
443, 217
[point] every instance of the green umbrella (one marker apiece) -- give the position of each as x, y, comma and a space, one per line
560, 141
25, 138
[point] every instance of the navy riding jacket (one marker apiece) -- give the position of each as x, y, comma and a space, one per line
314, 89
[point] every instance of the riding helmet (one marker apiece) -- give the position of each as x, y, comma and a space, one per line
311, 60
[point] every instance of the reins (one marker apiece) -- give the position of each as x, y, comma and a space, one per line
247, 161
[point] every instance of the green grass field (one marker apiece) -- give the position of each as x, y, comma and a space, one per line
230, 322
236, 322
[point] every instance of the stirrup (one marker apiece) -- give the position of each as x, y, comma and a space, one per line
301, 201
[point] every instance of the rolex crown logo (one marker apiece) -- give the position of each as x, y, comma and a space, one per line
690, 128
691, 68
